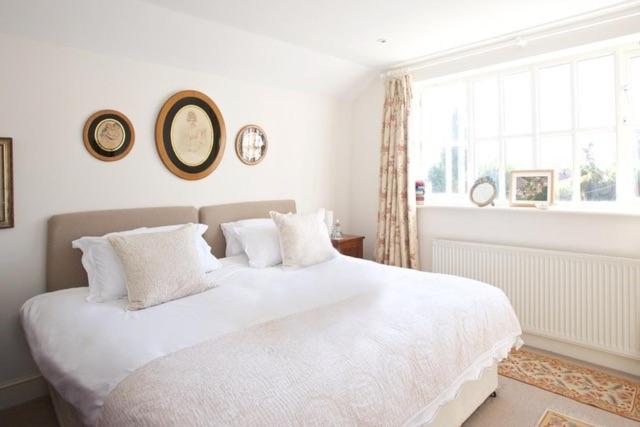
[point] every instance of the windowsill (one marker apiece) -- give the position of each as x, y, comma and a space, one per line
555, 209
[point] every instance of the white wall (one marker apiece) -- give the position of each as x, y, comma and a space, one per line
365, 164
46, 94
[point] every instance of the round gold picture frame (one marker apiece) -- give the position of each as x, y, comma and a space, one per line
247, 150
190, 135
108, 135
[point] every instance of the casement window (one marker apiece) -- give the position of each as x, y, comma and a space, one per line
579, 116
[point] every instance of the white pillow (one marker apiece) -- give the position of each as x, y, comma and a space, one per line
107, 281
261, 243
304, 238
160, 266
229, 229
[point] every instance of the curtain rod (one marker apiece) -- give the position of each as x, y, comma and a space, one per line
521, 38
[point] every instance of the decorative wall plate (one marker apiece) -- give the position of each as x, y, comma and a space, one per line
251, 144
108, 135
190, 135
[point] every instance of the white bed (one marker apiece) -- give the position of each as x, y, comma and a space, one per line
85, 350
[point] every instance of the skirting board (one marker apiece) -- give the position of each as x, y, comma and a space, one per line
22, 390
607, 360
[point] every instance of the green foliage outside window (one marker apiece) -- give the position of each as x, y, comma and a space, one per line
596, 184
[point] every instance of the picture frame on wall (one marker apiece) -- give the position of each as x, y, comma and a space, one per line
108, 135
6, 183
531, 188
251, 144
190, 135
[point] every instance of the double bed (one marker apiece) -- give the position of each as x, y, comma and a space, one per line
345, 341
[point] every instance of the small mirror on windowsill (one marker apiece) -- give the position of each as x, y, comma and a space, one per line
483, 192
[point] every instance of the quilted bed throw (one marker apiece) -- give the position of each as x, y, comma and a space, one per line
381, 358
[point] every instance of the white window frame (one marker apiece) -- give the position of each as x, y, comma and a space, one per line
625, 192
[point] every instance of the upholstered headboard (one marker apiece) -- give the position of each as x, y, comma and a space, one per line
64, 268
215, 215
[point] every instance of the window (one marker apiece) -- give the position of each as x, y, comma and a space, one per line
579, 116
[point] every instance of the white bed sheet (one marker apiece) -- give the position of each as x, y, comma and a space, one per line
85, 349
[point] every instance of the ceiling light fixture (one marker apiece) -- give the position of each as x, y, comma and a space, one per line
381, 41
520, 42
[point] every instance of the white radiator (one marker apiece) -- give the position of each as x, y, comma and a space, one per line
588, 300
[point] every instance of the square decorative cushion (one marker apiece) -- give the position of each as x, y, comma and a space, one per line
104, 269
160, 267
304, 238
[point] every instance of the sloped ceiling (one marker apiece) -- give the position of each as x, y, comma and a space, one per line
349, 28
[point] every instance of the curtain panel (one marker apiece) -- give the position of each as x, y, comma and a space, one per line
397, 240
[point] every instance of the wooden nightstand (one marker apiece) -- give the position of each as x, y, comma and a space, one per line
349, 244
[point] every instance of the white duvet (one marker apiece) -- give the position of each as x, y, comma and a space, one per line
85, 349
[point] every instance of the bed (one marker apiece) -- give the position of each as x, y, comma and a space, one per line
273, 329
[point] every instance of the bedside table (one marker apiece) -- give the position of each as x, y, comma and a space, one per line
349, 244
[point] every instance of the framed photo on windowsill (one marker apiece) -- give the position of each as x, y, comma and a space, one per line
6, 183
531, 187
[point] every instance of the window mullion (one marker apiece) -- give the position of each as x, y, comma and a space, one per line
471, 141
624, 166
535, 117
501, 140
576, 175
448, 167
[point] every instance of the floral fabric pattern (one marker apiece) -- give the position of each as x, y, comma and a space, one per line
590, 386
397, 240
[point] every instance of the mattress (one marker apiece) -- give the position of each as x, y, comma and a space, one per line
86, 349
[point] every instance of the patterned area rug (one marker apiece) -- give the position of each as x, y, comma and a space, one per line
555, 419
590, 386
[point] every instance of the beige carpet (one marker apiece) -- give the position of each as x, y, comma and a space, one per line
522, 405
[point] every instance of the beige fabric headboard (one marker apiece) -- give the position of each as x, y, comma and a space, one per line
64, 269
215, 215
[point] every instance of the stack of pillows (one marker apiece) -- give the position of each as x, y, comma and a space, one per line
155, 265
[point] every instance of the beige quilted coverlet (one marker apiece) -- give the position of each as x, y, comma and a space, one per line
377, 359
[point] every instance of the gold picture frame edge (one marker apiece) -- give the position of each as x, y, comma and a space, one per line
6, 144
552, 186
85, 135
237, 143
162, 115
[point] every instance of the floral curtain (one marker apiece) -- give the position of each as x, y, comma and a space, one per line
397, 240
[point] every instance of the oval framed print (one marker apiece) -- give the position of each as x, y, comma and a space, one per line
108, 135
251, 144
190, 135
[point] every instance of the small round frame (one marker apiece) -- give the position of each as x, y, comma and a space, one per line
251, 144
108, 135
483, 192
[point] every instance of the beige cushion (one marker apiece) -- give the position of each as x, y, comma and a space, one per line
160, 267
304, 238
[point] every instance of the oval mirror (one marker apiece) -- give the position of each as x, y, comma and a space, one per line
251, 144
483, 192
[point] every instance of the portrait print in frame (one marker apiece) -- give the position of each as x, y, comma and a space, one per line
190, 135
108, 135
